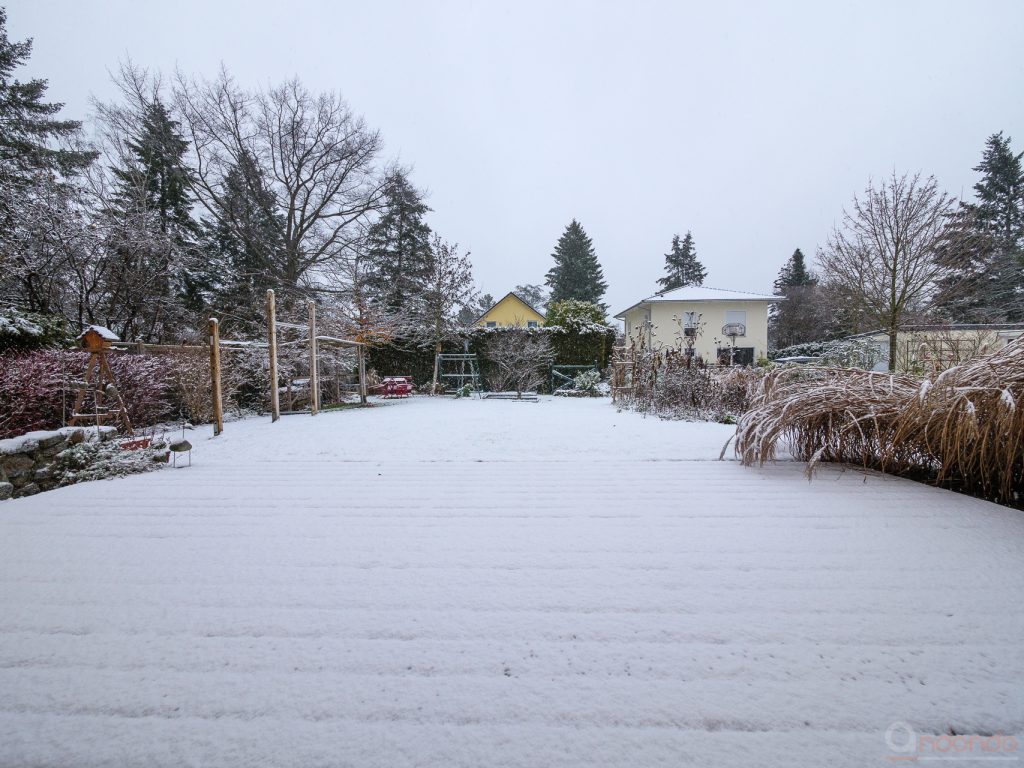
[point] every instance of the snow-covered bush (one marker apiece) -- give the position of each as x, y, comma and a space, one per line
22, 331
575, 315
190, 377
37, 389
842, 353
584, 384
99, 461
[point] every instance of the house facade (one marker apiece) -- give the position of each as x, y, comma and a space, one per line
510, 311
722, 325
924, 349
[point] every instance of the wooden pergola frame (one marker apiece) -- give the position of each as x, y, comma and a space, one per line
313, 340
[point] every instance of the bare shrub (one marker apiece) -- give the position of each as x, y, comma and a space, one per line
520, 360
674, 383
190, 376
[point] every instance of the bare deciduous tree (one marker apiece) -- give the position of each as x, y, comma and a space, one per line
317, 158
882, 255
447, 288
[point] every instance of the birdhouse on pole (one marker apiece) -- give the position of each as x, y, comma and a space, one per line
98, 390
96, 338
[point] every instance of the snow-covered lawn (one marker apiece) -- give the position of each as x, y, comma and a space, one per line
486, 583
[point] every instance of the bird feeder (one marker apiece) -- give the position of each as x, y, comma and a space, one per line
97, 389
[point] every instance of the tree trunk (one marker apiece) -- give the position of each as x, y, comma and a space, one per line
437, 351
893, 333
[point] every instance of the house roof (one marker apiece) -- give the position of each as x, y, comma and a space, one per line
515, 296
105, 333
694, 293
939, 328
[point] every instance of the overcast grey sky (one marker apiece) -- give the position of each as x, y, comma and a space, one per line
751, 124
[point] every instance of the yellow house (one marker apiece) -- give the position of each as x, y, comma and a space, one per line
510, 311
722, 325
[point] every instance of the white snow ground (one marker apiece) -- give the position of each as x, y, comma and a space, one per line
482, 583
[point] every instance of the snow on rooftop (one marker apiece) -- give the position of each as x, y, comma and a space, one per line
104, 333
703, 293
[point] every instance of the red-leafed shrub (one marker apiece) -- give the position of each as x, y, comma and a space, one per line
37, 390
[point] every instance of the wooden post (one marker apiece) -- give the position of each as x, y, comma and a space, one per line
218, 405
362, 374
275, 406
337, 380
314, 378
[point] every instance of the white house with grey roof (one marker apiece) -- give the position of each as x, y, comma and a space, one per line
724, 324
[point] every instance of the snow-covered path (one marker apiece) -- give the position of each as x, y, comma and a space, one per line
480, 583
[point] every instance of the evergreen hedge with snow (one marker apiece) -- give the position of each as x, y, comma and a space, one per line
577, 343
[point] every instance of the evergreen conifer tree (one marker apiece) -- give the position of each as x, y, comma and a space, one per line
577, 273
794, 273
682, 267
154, 172
27, 124
984, 250
242, 244
157, 235
799, 318
398, 245
1000, 192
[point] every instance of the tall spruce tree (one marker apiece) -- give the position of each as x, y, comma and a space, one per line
398, 245
37, 157
794, 273
153, 199
28, 129
577, 273
682, 267
1000, 192
983, 253
798, 318
242, 245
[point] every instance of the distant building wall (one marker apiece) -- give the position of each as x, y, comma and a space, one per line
665, 329
510, 311
928, 350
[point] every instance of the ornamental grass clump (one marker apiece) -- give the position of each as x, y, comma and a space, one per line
963, 428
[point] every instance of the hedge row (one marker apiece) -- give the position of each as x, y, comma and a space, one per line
583, 345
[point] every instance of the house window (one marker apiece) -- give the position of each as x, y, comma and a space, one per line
736, 316
735, 355
531, 323
491, 324
690, 319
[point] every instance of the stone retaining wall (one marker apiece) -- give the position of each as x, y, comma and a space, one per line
27, 463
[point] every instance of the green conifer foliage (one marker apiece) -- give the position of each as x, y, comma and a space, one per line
577, 273
399, 245
682, 267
